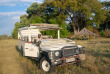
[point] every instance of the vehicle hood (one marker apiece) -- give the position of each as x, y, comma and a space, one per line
54, 47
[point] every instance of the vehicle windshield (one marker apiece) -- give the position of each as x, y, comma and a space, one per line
53, 41
47, 37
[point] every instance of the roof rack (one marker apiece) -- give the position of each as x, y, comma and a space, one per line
44, 26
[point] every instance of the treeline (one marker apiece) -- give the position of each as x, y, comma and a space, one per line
71, 15
5, 36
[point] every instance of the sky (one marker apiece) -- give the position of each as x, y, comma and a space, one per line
10, 11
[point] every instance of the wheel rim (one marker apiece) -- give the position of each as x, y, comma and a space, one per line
45, 65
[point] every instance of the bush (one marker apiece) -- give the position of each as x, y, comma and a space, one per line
107, 33
102, 33
5, 36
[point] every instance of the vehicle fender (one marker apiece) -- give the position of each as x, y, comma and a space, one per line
44, 54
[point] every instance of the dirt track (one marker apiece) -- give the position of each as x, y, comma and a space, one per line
9, 58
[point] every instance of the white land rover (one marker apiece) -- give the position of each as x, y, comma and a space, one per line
49, 52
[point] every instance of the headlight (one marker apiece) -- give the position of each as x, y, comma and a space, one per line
57, 53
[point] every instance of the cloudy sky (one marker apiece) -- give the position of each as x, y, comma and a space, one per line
10, 10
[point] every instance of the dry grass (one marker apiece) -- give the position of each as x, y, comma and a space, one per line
97, 62
8, 56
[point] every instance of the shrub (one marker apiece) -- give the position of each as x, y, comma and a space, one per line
107, 33
102, 33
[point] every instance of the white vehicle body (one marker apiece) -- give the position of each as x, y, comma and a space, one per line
51, 51
29, 49
25, 41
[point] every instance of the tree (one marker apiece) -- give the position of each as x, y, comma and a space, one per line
5, 36
106, 24
45, 15
75, 9
34, 9
24, 20
15, 31
37, 13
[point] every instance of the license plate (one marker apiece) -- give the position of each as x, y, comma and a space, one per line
70, 60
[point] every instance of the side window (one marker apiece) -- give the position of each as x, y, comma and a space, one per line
32, 39
27, 39
21, 38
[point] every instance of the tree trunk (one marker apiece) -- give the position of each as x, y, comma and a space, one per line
78, 24
73, 24
106, 27
74, 28
78, 28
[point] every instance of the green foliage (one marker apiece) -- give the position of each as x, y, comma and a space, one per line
53, 21
102, 33
23, 23
106, 4
35, 8
63, 31
37, 20
78, 12
107, 33
69, 27
106, 23
5, 36
24, 20
15, 31
38, 14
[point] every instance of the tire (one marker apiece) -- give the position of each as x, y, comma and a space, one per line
21, 50
45, 64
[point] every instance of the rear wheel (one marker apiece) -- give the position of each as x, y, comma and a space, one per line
45, 64
21, 50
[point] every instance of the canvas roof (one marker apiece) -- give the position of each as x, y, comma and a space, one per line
42, 27
85, 31
45, 24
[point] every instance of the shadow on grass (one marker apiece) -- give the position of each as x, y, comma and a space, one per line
18, 50
97, 53
107, 55
35, 69
30, 58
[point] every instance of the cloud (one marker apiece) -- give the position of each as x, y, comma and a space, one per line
15, 2
8, 2
104, 0
31, 1
11, 13
7, 21
3, 1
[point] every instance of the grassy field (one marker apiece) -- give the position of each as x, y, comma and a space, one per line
97, 59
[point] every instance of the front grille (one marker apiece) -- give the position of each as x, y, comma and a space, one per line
69, 51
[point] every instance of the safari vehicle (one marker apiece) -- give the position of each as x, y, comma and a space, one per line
49, 52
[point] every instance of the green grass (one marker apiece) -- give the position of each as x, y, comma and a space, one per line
97, 59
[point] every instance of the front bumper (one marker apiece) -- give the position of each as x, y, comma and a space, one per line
63, 61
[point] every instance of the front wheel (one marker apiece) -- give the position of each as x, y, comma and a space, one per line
45, 64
